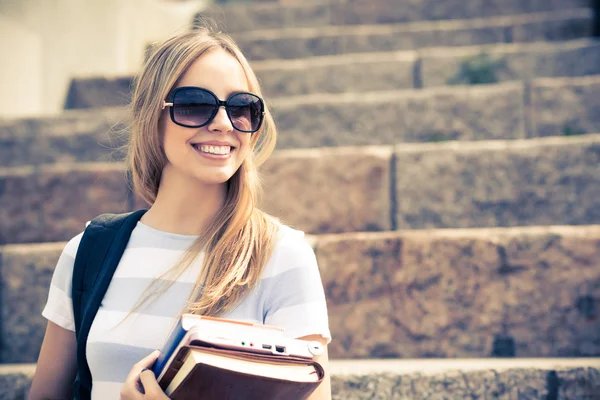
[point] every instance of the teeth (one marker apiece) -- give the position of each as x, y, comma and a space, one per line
220, 150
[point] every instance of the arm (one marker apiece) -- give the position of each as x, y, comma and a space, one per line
323, 391
296, 300
57, 365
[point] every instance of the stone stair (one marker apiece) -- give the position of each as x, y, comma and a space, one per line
383, 71
527, 182
429, 293
425, 379
508, 110
319, 14
306, 42
464, 221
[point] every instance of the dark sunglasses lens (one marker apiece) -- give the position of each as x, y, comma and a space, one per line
193, 107
245, 112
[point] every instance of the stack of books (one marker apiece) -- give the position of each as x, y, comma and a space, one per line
214, 358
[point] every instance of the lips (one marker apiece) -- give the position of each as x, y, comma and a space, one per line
210, 149
213, 143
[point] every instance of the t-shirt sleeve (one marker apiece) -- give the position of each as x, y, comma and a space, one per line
295, 296
59, 308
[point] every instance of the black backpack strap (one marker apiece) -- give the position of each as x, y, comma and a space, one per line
101, 247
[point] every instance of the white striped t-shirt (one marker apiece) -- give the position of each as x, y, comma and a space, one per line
289, 294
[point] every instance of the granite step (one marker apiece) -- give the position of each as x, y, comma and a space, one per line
307, 42
510, 110
249, 17
464, 293
387, 70
542, 181
433, 379
500, 63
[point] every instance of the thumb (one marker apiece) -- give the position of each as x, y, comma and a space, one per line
151, 386
147, 361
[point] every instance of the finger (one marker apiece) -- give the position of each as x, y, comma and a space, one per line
145, 362
129, 391
151, 386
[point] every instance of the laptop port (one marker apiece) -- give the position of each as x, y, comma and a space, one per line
280, 349
267, 346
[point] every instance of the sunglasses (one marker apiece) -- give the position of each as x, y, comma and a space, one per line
194, 107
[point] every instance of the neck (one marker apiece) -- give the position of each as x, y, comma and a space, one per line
183, 206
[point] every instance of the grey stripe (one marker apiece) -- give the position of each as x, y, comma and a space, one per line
145, 237
123, 294
111, 361
293, 287
63, 273
251, 306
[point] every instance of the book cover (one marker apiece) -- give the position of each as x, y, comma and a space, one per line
189, 322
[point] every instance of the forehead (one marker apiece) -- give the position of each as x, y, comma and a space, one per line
218, 71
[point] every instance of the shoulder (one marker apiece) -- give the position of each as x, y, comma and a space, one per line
72, 245
292, 250
291, 241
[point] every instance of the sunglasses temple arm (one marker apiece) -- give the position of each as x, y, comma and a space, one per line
165, 105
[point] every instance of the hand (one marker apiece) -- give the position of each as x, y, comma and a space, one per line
141, 382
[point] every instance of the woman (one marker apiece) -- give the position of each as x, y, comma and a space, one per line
199, 131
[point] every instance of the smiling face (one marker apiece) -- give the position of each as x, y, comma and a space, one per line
213, 153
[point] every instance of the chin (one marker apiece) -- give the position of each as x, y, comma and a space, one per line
213, 179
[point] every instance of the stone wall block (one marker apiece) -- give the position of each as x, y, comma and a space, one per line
572, 24
543, 292
352, 120
451, 293
465, 113
18, 142
514, 383
330, 76
566, 107
553, 182
99, 92
73, 136
392, 40
26, 274
286, 44
241, 18
72, 195
513, 62
15, 381
330, 191
308, 16
20, 213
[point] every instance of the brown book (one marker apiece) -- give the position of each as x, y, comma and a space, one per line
209, 373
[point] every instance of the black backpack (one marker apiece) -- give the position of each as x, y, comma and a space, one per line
101, 247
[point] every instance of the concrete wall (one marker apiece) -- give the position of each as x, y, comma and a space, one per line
20, 71
50, 42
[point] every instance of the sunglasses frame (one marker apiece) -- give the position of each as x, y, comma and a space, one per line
219, 103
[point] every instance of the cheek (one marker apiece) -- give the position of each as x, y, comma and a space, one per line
246, 145
174, 141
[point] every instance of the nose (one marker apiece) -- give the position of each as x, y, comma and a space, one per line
221, 122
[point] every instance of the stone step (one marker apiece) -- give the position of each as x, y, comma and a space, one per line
388, 70
511, 110
307, 42
431, 379
408, 294
500, 63
467, 379
447, 185
53, 202
249, 17
15, 380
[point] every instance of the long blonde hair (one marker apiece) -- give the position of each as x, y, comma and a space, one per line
240, 238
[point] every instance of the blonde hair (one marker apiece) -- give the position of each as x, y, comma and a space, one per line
240, 238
